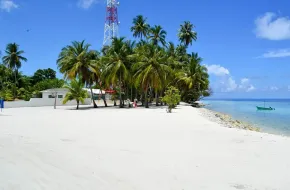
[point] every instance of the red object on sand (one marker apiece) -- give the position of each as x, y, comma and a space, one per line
110, 91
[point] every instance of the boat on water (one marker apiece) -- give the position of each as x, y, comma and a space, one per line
264, 108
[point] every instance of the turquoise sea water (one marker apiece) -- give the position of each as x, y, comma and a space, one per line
277, 121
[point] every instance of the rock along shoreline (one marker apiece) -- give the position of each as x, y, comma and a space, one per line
226, 120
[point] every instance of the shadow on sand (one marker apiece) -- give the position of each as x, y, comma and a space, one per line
91, 107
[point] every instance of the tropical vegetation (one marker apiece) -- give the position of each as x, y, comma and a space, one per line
76, 92
142, 67
172, 98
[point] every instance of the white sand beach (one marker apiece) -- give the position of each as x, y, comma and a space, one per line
140, 149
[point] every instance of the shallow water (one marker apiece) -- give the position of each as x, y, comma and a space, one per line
276, 121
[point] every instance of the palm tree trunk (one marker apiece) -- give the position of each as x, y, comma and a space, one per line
146, 97
115, 103
163, 93
120, 92
14, 91
127, 93
131, 94
92, 94
151, 95
78, 102
142, 99
104, 99
136, 95
156, 98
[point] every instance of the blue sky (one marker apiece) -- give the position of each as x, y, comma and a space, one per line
244, 43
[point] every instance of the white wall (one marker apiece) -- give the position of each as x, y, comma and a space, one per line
45, 95
40, 102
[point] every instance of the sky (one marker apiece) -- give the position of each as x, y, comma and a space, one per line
243, 43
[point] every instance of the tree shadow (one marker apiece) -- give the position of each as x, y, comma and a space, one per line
4, 115
83, 108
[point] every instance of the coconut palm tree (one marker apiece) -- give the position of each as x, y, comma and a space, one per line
150, 69
77, 60
117, 65
157, 35
96, 76
174, 58
76, 92
140, 28
194, 77
13, 59
186, 34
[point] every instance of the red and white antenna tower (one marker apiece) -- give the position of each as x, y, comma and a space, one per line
112, 21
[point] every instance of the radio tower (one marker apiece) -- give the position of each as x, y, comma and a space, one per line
112, 21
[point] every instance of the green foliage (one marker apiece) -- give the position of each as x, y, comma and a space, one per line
150, 69
6, 94
186, 34
77, 60
13, 59
13, 56
143, 69
24, 86
193, 79
24, 94
172, 97
47, 84
76, 92
157, 35
117, 69
140, 28
43, 74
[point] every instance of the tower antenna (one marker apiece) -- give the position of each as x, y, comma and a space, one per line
112, 22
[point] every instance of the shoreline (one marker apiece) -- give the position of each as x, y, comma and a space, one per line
228, 121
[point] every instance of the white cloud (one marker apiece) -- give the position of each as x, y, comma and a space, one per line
271, 27
251, 88
244, 80
274, 88
245, 85
277, 53
231, 85
7, 5
217, 70
225, 82
85, 4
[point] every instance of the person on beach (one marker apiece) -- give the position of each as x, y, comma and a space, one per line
135, 102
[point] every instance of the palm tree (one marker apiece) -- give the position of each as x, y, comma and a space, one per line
76, 92
186, 34
157, 35
96, 75
140, 28
76, 60
150, 69
13, 59
117, 68
174, 58
194, 77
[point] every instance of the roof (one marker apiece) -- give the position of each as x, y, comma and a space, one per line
95, 91
55, 90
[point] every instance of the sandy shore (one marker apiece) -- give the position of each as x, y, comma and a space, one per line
140, 149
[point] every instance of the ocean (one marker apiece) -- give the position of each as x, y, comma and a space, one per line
275, 122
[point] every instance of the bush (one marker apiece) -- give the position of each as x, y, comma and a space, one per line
171, 98
6, 94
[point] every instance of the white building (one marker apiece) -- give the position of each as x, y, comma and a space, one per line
48, 99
